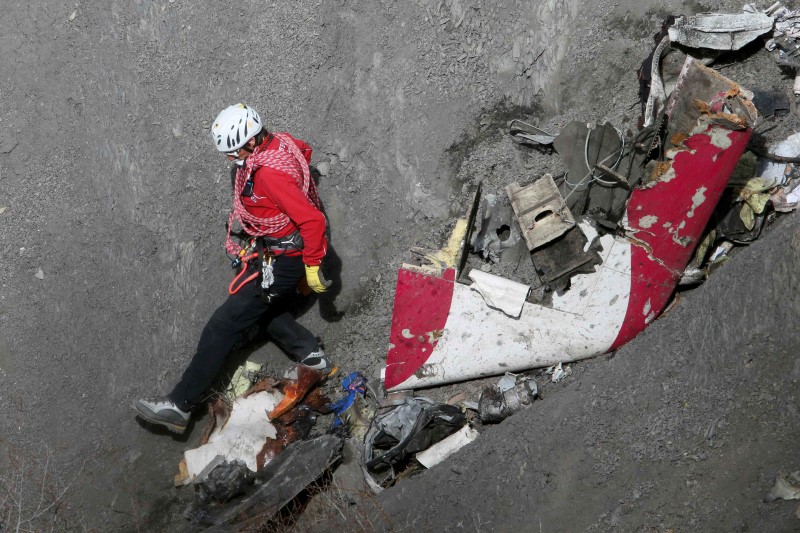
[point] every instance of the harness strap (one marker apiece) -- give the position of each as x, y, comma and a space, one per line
280, 245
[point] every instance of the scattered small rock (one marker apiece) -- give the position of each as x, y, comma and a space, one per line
132, 456
39, 273
787, 487
324, 168
3, 209
7, 144
72, 16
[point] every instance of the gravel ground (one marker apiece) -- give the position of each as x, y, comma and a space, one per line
111, 242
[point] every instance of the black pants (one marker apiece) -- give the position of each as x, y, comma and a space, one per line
232, 318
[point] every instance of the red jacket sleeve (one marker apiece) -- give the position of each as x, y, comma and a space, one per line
291, 200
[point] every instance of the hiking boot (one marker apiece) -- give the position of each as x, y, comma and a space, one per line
162, 412
317, 360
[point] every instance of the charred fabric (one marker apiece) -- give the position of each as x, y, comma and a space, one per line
538, 275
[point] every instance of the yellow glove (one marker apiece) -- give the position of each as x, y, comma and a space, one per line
315, 279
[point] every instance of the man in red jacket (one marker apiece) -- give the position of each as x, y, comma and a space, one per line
275, 203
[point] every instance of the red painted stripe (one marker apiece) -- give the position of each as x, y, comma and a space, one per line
702, 164
421, 306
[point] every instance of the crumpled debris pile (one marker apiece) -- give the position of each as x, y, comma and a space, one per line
259, 450
764, 183
249, 432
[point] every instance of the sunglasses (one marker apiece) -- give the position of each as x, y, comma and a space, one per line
244, 151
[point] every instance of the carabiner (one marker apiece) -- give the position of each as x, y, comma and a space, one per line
234, 287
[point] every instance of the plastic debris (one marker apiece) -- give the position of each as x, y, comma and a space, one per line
295, 390
786, 199
558, 372
446, 447
754, 196
787, 487
718, 31
355, 385
789, 147
404, 430
511, 394
721, 252
243, 378
771, 103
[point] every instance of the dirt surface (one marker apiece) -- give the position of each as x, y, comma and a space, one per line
112, 205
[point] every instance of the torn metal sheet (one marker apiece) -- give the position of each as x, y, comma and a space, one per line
283, 479
511, 394
718, 31
530, 134
494, 219
500, 293
558, 372
442, 331
541, 211
558, 262
447, 447
657, 97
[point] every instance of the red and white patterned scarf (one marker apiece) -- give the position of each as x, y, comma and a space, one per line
287, 158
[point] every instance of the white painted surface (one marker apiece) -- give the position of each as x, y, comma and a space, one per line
500, 293
479, 341
446, 447
242, 436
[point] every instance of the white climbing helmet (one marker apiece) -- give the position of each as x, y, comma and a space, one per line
234, 126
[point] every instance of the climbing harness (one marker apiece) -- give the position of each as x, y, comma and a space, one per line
267, 249
243, 261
